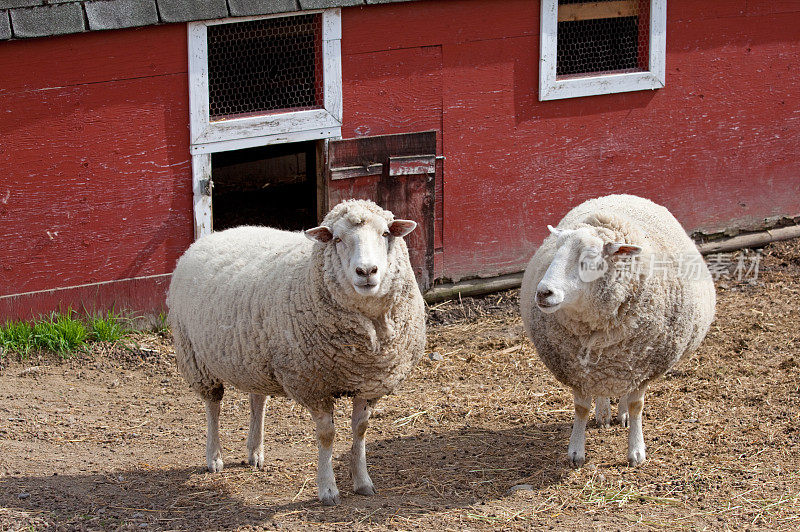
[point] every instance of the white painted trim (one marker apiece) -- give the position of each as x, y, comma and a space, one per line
198, 79
658, 40
267, 124
332, 63
551, 88
201, 171
266, 140
206, 132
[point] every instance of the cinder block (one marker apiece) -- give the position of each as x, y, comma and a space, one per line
9, 4
5, 26
241, 8
183, 11
324, 4
42, 21
117, 14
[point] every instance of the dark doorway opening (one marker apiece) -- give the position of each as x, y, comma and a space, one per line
274, 186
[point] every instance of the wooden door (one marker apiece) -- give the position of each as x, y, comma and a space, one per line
396, 172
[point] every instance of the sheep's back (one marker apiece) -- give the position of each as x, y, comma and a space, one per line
663, 233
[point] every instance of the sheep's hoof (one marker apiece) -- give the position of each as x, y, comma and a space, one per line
365, 489
636, 458
602, 413
623, 420
577, 460
329, 496
256, 460
215, 465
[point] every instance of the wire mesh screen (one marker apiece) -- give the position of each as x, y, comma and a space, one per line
602, 37
265, 65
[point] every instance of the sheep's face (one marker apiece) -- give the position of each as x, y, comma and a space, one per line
581, 258
362, 248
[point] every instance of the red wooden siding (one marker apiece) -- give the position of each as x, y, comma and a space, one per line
718, 145
95, 180
96, 176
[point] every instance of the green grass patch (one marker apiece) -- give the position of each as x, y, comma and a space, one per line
16, 336
62, 333
108, 328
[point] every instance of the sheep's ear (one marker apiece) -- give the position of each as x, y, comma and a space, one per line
402, 227
555, 230
319, 234
617, 249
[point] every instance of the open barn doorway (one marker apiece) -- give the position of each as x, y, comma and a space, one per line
272, 185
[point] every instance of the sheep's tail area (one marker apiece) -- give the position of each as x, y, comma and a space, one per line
197, 375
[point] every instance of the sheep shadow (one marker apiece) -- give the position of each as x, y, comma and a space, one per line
414, 475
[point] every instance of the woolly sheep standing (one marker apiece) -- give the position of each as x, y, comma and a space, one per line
272, 313
612, 299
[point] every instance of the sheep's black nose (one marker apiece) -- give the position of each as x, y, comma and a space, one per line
366, 271
542, 295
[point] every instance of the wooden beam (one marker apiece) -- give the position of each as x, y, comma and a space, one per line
473, 287
750, 240
598, 10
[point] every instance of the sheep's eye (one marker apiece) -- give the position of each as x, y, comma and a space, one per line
336, 240
386, 233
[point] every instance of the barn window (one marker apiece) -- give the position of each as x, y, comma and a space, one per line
264, 92
601, 47
265, 80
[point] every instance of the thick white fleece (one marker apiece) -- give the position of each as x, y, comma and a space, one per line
635, 326
271, 313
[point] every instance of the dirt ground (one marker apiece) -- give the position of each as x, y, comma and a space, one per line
476, 440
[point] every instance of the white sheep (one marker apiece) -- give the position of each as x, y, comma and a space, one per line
272, 312
611, 300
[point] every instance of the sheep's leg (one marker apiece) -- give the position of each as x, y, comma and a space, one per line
326, 482
636, 451
602, 411
622, 414
213, 447
362, 484
577, 441
255, 439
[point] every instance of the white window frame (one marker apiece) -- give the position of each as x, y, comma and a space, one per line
209, 136
551, 88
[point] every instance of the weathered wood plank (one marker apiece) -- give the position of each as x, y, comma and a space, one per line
92, 58
597, 10
96, 182
392, 92
140, 294
365, 152
412, 25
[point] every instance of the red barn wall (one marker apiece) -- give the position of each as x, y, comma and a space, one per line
95, 188
717, 146
95, 172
